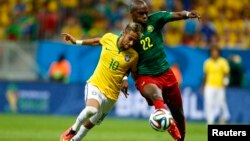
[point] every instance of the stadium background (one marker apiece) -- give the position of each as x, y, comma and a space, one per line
30, 42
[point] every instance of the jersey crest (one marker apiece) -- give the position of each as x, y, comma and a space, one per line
150, 28
127, 58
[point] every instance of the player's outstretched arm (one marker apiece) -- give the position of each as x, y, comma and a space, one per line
90, 42
186, 15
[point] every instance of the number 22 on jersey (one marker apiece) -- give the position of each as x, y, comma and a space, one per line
146, 43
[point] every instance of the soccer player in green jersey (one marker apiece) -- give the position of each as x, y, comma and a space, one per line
154, 78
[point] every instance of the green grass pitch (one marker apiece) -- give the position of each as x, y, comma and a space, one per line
15, 127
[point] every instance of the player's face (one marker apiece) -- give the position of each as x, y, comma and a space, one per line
128, 39
215, 53
140, 14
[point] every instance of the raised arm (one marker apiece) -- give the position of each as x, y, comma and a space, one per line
90, 42
185, 15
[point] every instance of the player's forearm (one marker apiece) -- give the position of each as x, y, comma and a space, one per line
89, 42
181, 15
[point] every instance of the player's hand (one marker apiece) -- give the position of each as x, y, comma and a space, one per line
67, 37
124, 88
194, 14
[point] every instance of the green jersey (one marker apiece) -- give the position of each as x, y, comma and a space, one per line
152, 58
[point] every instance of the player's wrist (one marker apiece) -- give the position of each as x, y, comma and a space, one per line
187, 13
125, 78
79, 42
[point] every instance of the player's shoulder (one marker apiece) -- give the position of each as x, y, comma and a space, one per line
208, 60
156, 13
223, 60
109, 35
133, 52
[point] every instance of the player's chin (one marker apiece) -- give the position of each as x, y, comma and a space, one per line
126, 47
144, 21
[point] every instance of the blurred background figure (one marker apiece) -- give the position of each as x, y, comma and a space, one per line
216, 71
60, 70
236, 71
177, 72
73, 27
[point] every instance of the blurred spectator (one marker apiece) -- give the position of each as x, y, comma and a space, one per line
87, 14
236, 71
24, 24
60, 70
225, 22
5, 17
100, 26
199, 41
73, 27
214, 40
158, 5
191, 27
48, 17
103, 7
207, 29
216, 71
119, 11
177, 72
68, 7
173, 33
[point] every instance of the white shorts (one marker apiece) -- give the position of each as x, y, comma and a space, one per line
106, 104
215, 104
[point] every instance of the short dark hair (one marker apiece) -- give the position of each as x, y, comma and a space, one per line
135, 27
135, 3
215, 47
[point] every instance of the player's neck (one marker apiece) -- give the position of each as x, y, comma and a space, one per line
119, 43
215, 58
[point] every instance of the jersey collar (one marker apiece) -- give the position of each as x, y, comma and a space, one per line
118, 48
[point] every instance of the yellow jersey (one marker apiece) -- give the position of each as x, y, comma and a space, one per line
112, 66
215, 71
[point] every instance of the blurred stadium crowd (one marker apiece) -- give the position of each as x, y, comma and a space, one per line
224, 22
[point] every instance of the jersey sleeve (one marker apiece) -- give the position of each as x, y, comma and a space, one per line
163, 17
104, 38
166, 16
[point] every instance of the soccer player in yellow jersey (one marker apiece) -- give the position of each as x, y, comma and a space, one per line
103, 87
216, 70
